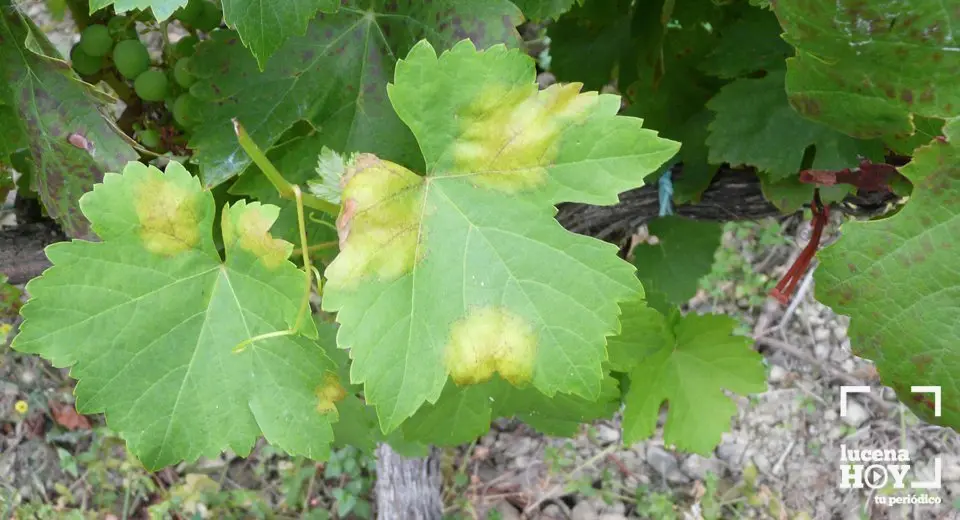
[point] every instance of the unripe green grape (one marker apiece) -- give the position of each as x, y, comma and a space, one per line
96, 41
149, 138
189, 13
83, 63
182, 74
182, 111
131, 58
151, 85
210, 18
185, 46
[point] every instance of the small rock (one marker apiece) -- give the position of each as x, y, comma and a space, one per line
731, 452
856, 414
777, 373
507, 511
848, 365
618, 508
821, 334
762, 462
839, 332
889, 394
697, 467
552, 512
607, 434
950, 466
612, 516
830, 415
584, 510
821, 350
666, 465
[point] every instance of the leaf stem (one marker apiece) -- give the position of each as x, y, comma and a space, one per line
284, 188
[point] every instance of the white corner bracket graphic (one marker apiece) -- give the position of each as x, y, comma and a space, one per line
935, 390
845, 390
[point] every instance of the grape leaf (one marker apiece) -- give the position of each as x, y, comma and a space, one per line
755, 125
586, 43
264, 25
897, 279
671, 93
750, 44
147, 320
356, 422
841, 75
162, 9
334, 77
790, 195
478, 229
701, 359
671, 270
464, 413
297, 161
71, 143
540, 10
637, 320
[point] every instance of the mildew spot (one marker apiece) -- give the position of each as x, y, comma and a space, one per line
248, 226
168, 214
329, 393
379, 223
489, 340
510, 136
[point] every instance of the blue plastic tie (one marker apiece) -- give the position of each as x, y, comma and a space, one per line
665, 192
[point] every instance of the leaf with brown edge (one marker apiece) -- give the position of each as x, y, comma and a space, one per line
71, 143
897, 279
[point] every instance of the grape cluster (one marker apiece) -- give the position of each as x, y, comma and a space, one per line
110, 49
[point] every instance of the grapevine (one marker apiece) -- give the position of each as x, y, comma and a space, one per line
342, 216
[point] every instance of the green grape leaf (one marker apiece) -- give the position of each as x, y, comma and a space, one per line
670, 93
297, 161
748, 45
162, 9
148, 320
71, 143
701, 360
697, 172
586, 43
637, 320
263, 25
790, 195
755, 125
897, 279
356, 422
334, 78
540, 10
464, 413
683, 254
841, 75
330, 170
478, 229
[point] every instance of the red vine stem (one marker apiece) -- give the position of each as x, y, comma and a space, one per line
784, 290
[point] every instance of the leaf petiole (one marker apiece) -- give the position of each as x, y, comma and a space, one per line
284, 188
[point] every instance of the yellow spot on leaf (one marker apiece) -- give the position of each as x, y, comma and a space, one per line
329, 393
491, 340
379, 224
510, 137
169, 222
248, 226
